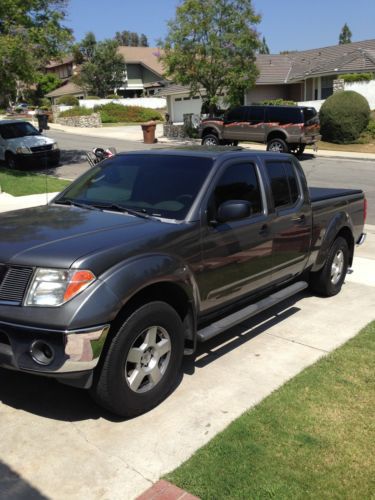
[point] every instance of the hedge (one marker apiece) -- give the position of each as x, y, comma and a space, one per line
68, 100
357, 77
76, 111
114, 113
343, 117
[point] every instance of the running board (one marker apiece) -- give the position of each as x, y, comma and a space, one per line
238, 317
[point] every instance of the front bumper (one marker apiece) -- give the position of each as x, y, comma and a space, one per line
38, 159
72, 351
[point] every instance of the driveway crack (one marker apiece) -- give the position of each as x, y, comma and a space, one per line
299, 343
109, 455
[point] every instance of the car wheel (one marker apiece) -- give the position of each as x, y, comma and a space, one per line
10, 160
142, 362
277, 146
210, 140
328, 281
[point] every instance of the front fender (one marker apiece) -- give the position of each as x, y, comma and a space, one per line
212, 128
339, 221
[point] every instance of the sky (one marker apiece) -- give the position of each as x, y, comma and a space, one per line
286, 24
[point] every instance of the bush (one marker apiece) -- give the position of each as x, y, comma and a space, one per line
115, 113
76, 111
68, 100
113, 96
371, 128
357, 77
343, 117
278, 102
93, 98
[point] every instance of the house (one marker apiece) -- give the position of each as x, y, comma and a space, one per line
144, 71
143, 75
303, 76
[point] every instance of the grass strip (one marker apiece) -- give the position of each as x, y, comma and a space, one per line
312, 438
20, 183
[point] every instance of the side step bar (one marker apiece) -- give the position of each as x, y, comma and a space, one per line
238, 317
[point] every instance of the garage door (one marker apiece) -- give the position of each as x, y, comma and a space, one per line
183, 105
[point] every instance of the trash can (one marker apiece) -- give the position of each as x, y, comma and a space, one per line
42, 122
149, 132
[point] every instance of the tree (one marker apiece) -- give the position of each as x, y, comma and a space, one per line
134, 39
345, 35
123, 38
31, 34
211, 46
264, 49
131, 39
105, 69
46, 82
143, 42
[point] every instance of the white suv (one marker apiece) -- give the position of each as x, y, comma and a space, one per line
21, 144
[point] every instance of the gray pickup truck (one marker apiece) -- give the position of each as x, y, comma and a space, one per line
148, 253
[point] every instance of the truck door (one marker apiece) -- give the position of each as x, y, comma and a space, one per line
234, 122
253, 130
236, 255
292, 223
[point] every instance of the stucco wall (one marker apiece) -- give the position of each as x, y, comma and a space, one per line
263, 92
367, 89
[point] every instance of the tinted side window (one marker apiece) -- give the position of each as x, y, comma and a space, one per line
237, 114
284, 115
255, 114
238, 182
283, 183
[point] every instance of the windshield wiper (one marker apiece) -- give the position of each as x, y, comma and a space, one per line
122, 208
77, 204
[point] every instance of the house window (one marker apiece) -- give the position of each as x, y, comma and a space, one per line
327, 86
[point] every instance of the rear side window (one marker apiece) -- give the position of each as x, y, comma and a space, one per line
283, 181
236, 114
310, 116
238, 182
284, 115
255, 114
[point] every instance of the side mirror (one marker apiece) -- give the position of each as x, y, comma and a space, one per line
233, 210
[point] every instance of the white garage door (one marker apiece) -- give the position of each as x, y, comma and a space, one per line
185, 104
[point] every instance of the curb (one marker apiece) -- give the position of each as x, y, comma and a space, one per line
164, 490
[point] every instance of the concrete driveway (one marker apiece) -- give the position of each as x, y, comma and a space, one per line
56, 443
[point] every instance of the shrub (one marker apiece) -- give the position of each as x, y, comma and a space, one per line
114, 113
93, 97
343, 116
371, 128
357, 77
113, 96
45, 102
76, 111
278, 102
68, 100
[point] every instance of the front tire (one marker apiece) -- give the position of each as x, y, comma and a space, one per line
143, 361
10, 160
210, 140
277, 145
329, 280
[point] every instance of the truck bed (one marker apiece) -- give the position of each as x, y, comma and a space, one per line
321, 194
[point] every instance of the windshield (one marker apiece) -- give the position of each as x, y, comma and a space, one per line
162, 186
16, 130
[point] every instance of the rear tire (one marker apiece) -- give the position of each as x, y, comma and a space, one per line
210, 140
277, 145
142, 362
328, 281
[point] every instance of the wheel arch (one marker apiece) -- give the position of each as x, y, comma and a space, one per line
276, 134
211, 130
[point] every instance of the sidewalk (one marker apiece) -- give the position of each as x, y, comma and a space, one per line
134, 133
9, 202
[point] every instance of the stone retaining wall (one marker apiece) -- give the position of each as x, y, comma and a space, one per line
174, 131
90, 121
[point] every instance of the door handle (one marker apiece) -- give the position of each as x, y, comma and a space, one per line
299, 218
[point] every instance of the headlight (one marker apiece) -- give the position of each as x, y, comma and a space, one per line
23, 151
54, 287
55, 145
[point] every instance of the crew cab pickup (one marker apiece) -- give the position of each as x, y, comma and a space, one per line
148, 253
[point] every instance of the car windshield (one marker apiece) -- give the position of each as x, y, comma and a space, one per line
16, 130
163, 186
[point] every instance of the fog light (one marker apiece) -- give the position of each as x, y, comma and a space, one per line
42, 353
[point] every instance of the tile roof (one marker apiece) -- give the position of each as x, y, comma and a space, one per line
60, 62
67, 89
147, 56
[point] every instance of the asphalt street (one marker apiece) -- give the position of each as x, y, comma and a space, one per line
320, 171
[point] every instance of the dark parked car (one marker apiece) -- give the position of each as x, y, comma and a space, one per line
283, 128
148, 253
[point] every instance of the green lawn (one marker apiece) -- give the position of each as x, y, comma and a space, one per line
20, 183
313, 438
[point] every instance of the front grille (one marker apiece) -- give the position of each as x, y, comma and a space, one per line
14, 283
38, 149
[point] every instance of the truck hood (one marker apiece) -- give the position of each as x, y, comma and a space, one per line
56, 236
